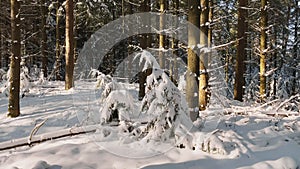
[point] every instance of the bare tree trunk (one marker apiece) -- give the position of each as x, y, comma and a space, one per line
174, 45
162, 38
296, 45
263, 49
203, 82
57, 43
69, 83
210, 19
193, 60
239, 81
14, 79
44, 39
1, 47
145, 39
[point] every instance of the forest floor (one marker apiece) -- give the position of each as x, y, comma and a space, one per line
233, 140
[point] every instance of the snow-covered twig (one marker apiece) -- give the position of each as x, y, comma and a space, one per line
35, 129
226, 44
286, 101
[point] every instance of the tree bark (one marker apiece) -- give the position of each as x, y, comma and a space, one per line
193, 60
14, 79
69, 83
263, 49
203, 80
239, 81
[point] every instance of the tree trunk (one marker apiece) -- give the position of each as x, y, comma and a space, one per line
263, 49
210, 19
146, 38
14, 79
57, 43
162, 38
239, 81
193, 59
44, 39
174, 45
1, 47
203, 80
296, 46
69, 83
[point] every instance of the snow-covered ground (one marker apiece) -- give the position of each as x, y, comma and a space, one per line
248, 140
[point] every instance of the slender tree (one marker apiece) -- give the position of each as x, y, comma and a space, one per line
203, 83
162, 38
146, 38
57, 42
174, 45
44, 38
14, 79
239, 81
296, 42
263, 48
210, 19
69, 45
193, 59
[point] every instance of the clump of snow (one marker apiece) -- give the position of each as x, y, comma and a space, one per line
148, 59
120, 102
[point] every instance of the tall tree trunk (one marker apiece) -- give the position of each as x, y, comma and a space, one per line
57, 43
1, 47
203, 80
263, 49
239, 81
14, 79
162, 38
44, 39
146, 38
174, 45
69, 83
210, 19
296, 45
193, 59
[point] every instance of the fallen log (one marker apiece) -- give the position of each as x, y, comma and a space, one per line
47, 136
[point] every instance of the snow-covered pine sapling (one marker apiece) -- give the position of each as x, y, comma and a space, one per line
166, 108
117, 106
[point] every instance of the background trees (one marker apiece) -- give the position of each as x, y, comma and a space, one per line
261, 61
